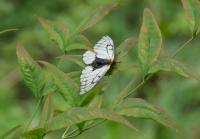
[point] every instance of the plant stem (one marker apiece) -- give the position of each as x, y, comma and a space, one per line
8, 30
140, 84
121, 95
182, 46
33, 115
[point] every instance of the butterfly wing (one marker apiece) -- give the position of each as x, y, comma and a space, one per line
91, 76
89, 57
104, 48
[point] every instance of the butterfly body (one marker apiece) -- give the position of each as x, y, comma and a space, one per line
98, 63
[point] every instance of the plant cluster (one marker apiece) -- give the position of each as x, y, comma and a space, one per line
84, 112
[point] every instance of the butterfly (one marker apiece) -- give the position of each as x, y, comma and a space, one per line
98, 63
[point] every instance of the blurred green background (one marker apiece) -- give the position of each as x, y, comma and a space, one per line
178, 96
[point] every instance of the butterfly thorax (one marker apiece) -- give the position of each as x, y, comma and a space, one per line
99, 62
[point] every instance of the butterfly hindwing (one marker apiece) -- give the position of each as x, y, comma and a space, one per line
89, 57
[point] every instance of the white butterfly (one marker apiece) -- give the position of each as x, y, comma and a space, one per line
99, 61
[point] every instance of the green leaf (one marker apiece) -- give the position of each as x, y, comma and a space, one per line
65, 39
192, 10
77, 42
77, 59
49, 85
9, 132
172, 65
38, 133
59, 103
57, 32
124, 92
88, 97
124, 66
77, 46
85, 40
66, 86
150, 41
47, 112
95, 18
74, 74
78, 115
125, 47
139, 108
31, 71
96, 101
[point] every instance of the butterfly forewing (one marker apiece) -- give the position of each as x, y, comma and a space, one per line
104, 48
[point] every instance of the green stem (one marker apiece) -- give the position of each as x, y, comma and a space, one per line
33, 115
8, 30
121, 95
140, 84
182, 46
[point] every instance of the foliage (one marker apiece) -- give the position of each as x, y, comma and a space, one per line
54, 82
150, 42
33, 76
192, 10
